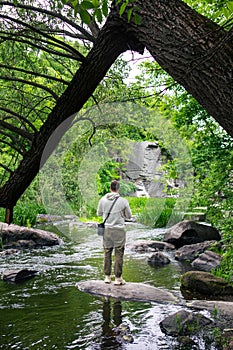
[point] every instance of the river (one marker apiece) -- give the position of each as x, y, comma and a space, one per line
49, 312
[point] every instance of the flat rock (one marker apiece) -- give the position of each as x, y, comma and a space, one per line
129, 291
225, 307
221, 311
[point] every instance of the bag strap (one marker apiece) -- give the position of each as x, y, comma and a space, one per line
110, 210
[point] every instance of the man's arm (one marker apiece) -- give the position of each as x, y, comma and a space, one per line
127, 211
100, 208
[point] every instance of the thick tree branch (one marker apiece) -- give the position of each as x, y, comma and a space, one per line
58, 15
16, 130
36, 74
32, 83
44, 34
34, 43
12, 145
13, 114
6, 168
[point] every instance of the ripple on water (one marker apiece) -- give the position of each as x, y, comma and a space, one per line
48, 312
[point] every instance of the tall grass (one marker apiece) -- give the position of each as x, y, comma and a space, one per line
25, 213
153, 212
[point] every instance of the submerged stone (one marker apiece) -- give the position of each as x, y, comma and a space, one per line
18, 275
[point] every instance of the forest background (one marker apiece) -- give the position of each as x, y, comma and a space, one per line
210, 147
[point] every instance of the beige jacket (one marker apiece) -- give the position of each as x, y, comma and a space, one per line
119, 212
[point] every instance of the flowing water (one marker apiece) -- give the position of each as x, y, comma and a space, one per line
49, 312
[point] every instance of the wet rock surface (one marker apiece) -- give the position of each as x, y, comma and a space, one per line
207, 261
190, 232
158, 259
18, 237
183, 323
151, 245
206, 284
192, 251
16, 276
129, 291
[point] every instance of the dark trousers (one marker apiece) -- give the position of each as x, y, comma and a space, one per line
118, 264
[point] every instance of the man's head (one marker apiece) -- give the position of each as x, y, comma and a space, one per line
115, 186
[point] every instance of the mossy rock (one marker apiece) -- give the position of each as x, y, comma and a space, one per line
205, 283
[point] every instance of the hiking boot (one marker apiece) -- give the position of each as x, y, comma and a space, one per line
107, 279
119, 281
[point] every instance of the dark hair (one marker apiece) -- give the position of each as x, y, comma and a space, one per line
115, 185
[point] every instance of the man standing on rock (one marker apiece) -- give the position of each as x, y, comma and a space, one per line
114, 235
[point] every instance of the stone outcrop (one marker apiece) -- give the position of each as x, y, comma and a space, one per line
207, 261
189, 232
206, 284
184, 323
143, 169
129, 291
158, 259
192, 251
18, 237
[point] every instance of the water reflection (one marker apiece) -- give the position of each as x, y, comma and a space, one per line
112, 311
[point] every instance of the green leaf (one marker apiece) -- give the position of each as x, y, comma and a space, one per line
122, 8
98, 15
95, 3
105, 8
86, 5
74, 3
129, 14
118, 2
137, 19
85, 17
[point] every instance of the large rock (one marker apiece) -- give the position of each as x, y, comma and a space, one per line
207, 261
183, 323
190, 232
192, 251
129, 291
206, 284
19, 237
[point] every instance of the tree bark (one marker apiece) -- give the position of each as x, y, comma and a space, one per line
195, 51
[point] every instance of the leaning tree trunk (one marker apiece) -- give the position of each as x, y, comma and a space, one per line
196, 52
193, 50
109, 45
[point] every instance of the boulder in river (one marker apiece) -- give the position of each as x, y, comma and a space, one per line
207, 261
190, 232
183, 323
19, 237
192, 251
206, 284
